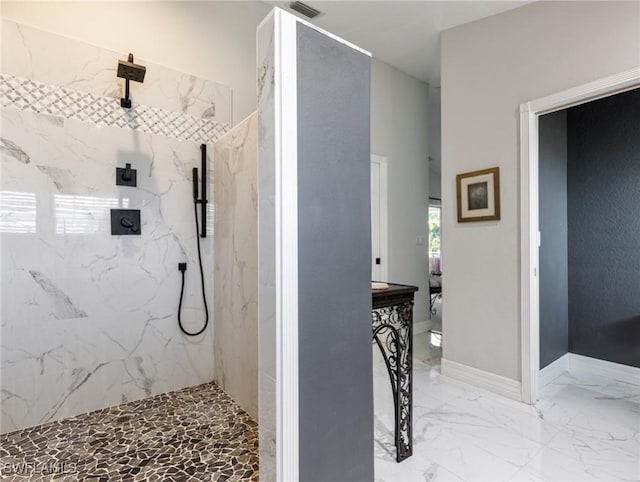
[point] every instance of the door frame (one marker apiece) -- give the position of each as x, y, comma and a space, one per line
529, 215
384, 220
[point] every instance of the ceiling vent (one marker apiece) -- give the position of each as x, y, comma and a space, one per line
304, 9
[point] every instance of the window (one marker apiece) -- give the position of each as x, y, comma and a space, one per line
434, 236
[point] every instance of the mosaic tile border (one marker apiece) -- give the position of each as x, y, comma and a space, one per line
32, 96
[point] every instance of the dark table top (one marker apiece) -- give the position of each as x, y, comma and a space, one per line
395, 294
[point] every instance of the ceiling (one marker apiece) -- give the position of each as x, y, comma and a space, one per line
404, 34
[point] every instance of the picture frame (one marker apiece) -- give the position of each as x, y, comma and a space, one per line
478, 195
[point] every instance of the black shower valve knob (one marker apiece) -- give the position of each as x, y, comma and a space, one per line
127, 222
126, 174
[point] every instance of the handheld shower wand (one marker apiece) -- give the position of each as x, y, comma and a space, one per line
194, 179
183, 266
203, 188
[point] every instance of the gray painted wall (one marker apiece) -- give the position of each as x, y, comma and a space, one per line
334, 313
554, 288
399, 128
481, 261
604, 228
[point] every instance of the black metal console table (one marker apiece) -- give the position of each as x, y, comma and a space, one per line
393, 333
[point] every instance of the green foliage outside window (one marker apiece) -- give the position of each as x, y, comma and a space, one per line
434, 231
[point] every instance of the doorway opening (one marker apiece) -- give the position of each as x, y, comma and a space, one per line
589, 255
379, 239
530, 215
435, 271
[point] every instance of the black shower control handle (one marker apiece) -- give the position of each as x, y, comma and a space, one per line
127, 222
126, 174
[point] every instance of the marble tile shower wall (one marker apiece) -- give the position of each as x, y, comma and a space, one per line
267, 132
236, 264
88, 320
33, 54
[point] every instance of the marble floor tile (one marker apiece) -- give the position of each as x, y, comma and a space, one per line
605, 457
425, 351
583, 428
469, 426
504, 416
524, 475
412, 471
551, 465
466, 460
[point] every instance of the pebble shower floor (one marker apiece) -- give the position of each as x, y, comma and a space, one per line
193, 434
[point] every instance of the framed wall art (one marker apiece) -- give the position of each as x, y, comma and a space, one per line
478, 194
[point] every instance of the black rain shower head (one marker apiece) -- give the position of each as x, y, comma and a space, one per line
130, 71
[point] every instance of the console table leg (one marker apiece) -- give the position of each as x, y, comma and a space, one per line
405, 381
393, 333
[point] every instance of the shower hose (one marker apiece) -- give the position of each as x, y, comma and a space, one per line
183, 267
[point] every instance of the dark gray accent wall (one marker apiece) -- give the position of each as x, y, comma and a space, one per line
604, 228
334, 252
554, 282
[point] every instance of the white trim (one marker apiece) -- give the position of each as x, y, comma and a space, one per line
554, 370
420, 327
286, 157
529, 254
572, 362
479, 378
529, 236
384, 213
581, 94
607, 369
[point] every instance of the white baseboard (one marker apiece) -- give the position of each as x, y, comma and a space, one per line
421, 327
554, 370
614, 371
488, 381
570, 362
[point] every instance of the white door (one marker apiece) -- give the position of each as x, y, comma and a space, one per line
378, 218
